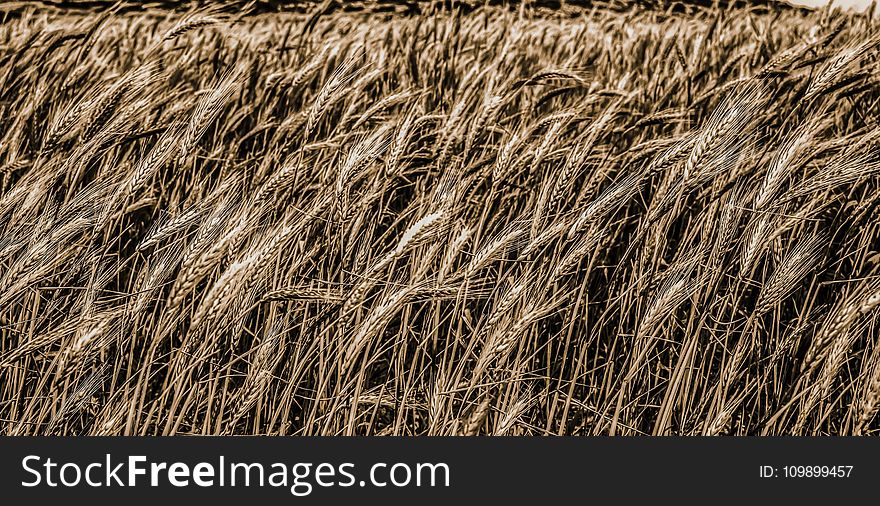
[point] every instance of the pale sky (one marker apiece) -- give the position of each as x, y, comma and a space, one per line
859, 5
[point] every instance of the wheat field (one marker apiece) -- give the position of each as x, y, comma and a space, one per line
498, 220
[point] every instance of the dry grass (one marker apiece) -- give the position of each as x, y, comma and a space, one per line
500, 222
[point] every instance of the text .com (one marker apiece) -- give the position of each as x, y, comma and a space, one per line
300, 478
